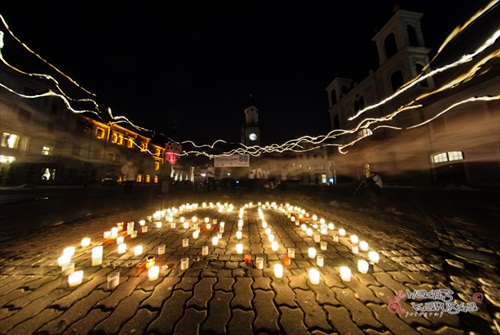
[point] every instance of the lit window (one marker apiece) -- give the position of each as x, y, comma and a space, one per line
100, 133
144, 146
130, 142
7, 159
155, 180
120, 139
10, 140
455, 155
114, 138
440, 158
45, 151
139, 178
148, 178
158, 152
157, 166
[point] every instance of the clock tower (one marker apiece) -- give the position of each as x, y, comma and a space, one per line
251, 130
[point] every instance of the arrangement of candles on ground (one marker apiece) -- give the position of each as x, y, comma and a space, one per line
316, 229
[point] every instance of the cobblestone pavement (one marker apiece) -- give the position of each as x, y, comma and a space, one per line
428, 260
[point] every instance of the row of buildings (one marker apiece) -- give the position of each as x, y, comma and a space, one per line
443, 129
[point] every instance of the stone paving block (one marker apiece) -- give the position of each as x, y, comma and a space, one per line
74, 313
266, 319
122, 291
314, 315
361, 291
291, 321
298, 282
367, 279
224, 284
361, 315
187, 284
190, 322
241, 322
126, 309
31, 325
20, 287
284, 293
83, 290
87, 324
170, 313
161, 292
243, 293
445, 330
391, 321
324, 295
341, 320
219, 313
261, 283
203, 292
389, 282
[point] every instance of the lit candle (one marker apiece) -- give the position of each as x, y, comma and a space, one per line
314, 217
278, 270
248, 259
268, 231
130, 228
271, 237
309, 232
153, 273
120, 240
64, 260
142, 222
222, 224
97, 255
317, 238
122, 248
85, 241
114, 232
239, 248
292, 218
303, 227
138, 250
207, 220
320, 261
311, 252
196, 234
150, 261
291, 252
185, 242
354, 239
185, 225
373, 256
113, 280
335, 238
239, 234
274, 245
342, 232
134, 234
287, 261
161, 249
194, 219
355, 249
314, 276
259, 263
208, 226
107, 234
345, 273
182, 219
363, 266
144, 229
173, 225
158, 224
323, 245
204, 250
70, 251
184, 263
363, 245
75, 278
215, 240
264, 224
331, 226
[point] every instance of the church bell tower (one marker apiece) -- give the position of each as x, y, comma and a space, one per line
251, 130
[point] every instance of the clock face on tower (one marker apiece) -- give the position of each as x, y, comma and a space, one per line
252, 137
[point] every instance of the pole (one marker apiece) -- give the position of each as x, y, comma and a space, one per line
362, 182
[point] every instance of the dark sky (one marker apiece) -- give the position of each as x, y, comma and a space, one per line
197, 65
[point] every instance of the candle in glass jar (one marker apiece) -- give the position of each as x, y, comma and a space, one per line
363, 266
196, 234
355, 249
363, 245
354, 239
97, 255
239, 248
185, 225
342, 232
158, 224
153, 273
75, 278
239, 234
107, 234
144, 229
291, 252
120, 240
270, 237
204, 250
264, 224
248, 259
287, 261
161, 249
373, 256
311, 252
320, 261
314, 276
274, 245
134, 234
138, 250
323, 245
70, 251
184, 263
85, 241
278, 270
185, 242
345, 273
215, 240
122, 248
259, 263
150, 261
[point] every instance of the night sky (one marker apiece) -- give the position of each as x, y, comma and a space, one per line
197, 66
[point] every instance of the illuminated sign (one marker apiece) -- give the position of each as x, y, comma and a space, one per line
232, 161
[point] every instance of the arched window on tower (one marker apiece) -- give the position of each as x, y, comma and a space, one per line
396, 80
334, 97
356, 106
412, 36
391, 48
344, 90
419, 68
361, 103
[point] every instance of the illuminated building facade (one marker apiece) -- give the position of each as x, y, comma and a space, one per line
432, 130
44, 143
